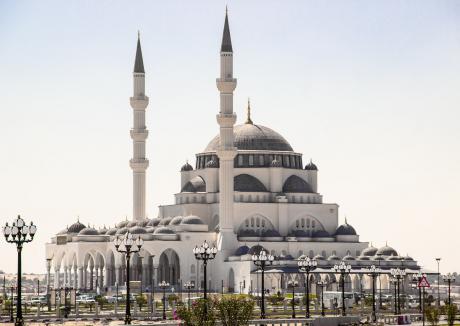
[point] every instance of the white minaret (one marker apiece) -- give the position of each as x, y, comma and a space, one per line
139, 134
226, 151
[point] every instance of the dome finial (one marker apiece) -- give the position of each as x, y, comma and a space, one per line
248, 120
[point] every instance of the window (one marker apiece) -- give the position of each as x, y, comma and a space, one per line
252, 222
323, 253
263, 223
203, 199
358, 253
240, 160
257, 222
297, 224
313, 224
303, 223
247, 223
261, 160
334, 253
308, 222
251, 160
311, 254
300, 253
250, 198
288, 163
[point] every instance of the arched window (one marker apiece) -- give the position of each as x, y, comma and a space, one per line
300, 253
308, 223
293, 199
303, 223
313, 224
287, 161
241, 198
257, 222
252, 222
250, 198
263, 223
283, 252
187, 200
358, 253
311, 254
323, 253
247, 223
334, 253
297, 223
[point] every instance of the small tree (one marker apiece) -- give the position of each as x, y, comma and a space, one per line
275, 299
235, 310
141, 301
172, 298
101, 301
432, 315
452, 311
196, 315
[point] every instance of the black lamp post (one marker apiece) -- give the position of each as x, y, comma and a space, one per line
322, 284
343, 269
19, 233
128, 246
398, 275
188, 286
292, 284
449, 279
306, 266
164, 285
394, 281
263, 260
205, 253
373, 272
415, 281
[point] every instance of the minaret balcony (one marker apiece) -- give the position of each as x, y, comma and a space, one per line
226, 120
139, 103
139, 134
226, 85
139, 165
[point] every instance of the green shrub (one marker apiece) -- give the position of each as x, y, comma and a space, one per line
275, 299
101, 301
432, 315
141, 301
451, 311
235, 310
196, 315
172, 298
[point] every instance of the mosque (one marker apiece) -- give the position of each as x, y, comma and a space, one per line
249, 189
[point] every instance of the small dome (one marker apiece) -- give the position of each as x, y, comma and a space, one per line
76, 227
319, 257
131, 224
176, 220
247, 233
164, 230
299, 233
243, 250
212, 164
149, 229
345, 229
408, 258
122, 224
349, 257
377, 258
137, 230
321, 234
369, 251
65, 231
111, 231
311, 166
275, 164
186, 167
165, 220
143, 222
333, 257
103, 230
88, 231
364, 258
270, 233
395, 258
154, 221
192, 219
122, 230
196, 184
255, 250
386, 251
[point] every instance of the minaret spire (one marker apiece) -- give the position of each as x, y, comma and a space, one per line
248, 119
139, 133
226, 151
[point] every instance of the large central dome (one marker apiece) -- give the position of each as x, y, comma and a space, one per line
250, 136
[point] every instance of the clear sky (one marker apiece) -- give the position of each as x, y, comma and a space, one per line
368, 89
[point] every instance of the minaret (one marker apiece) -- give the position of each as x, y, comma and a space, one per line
139, 134
226, 151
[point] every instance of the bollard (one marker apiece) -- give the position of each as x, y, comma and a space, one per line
116, 308
96, 309
77, 312
38, 310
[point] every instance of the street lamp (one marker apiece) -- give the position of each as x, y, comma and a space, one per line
322, 284
398, 274
449, 279
343, 269
128, 246
292, 284
306, 266
373, 272
263, 260
188, 286
438, 260
164, 285
205, 253
416, 280
19, 233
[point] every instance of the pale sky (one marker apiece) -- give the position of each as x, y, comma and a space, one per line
368, 89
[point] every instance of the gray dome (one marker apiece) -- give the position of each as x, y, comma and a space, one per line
369, 251
364, 258
111, 231
395, 258
196, 184
212, 164
321, 234
345, 229
333, 257
319, 257
192, 219
296, 184
248, 183
176, 220
122, 230
165, 220
387, 251
276, 164
247, 233
137, 230
186, 167
164, 230
76, 227
255, 250
122, 224
311, 166
131, 224
408, 258
149, 229
254, 137
299, 233
154, 221
349, 257
103, 230
143, 222
88, 231
270, 233
243, 250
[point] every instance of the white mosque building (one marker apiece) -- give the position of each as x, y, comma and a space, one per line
248, 190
